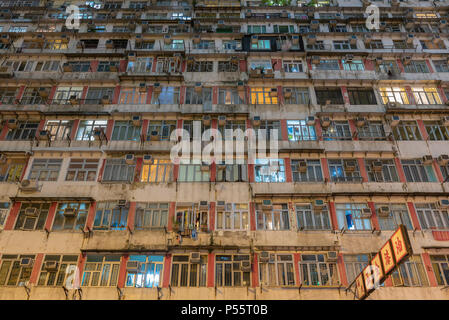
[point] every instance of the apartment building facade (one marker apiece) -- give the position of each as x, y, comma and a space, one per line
90, 196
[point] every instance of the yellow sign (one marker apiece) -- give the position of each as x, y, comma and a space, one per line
378, 267
387, 257
400, 243
360, 287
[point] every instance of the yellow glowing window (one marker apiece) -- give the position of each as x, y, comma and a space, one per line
158, 171
426, 95
263, 96
426, 15
394, 94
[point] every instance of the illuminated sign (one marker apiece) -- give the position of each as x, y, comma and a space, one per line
388, 259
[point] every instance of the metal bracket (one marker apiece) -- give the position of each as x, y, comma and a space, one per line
27, 290
120, 293
159, 293
66, 292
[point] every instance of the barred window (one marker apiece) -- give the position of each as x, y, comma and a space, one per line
371, 130
338, 130
86, 129
110, 216
441, 65
35, 221
394, 94
436, 131
82, 170
407, 131
228, 66
354, 264
387, 173
232, 216
187, 274
228, 271
430, 217
269, 170
25, 131
63, 272
125, 130
316, 272
276, 218
416, 67
349, 216
354, 65
70, 222
440, 265
200, 66
158, 171
311, 218
416, 171
118, 170
411, 273
35, 95
8, 95
358, 96
101, 270
426, 95
95, 95
202, 97
298, 130
329, 94
295, 95
277, 271
63, 95
12, 273
340, 172
149, 273
45, 169
398, 214
151, 215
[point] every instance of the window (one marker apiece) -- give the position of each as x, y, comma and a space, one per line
312, 174
82, 170
79, 66
158, 171
275, 218
65, 270
168, 65
86, 129
232, 216
436, 131
441, 65
125, 130
25, 221
426, 95
73, 221
189, 218
175, 45
132, 96
344, 170
89, 43
354, 65
323, 95
440, 265
374, 44
298, 130
390, 68
416, 171
163, 128
167, 95
101, 270
95, 95
200, 66
11, 273
261, 45
110, 216
326, 65
430, 217
4, 209
292, 66
63, 94
56, 44
118, 170
202, 97
283, 29
407, 131
428, 44
228, 66
410, 273
231, 172
338, 130
34, 95
192, 173
11, 170
186, 274
231, 44
349, 216
17, 29
402, 44
149, 273
354, 264
230, 96
262, 96
316, 272
257, 29
387, 173
144, 45
227, 271
398, 214
269, 170
277, 271
338, 28
312, 218
8, 95
119, 43
151, 215
45, 169
358, 96
394, 94
416, 67
296, 95
344, 45
107, 66
204, 44
371, 130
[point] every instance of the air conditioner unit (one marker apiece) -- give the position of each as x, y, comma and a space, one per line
142, 87
410, 38
264, 256
393, 104
198, 87
121, 203
147, 158
154, 136
136, 121
302, 166
394, 121
203, 205
12, 123
443, 23
245, 266
353, 39
254, 39
382, 25
266, 204
248, 13
428, 159
196, 38
205, 167
443, 203
368, 38
5, 38
31, 212
134, 266
105, 100
325, 122
383, 211
221, 120
274, 92
349, 58
376, 166
44, 135
350, 165
310, 120
138, 38
287, 93
3, 158
70, 212
51, 266
445, 121
98, 133
316, 59
409, 24
74, 100
295, 39
360, 122
332, 256
366, 213
221, 205
443, 159
195, 257
43, 93
129, 158
332, 22
29, 185
109, 44
26, 262
407, 60
131, 56
256, 121
311, 39
167, 39
314, 25
67, 67
157, 87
